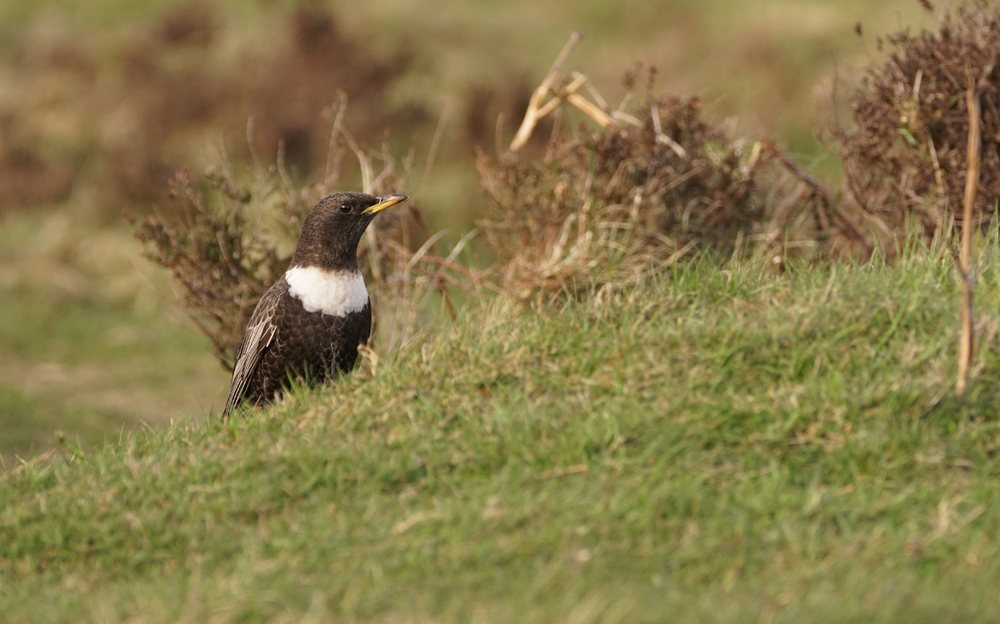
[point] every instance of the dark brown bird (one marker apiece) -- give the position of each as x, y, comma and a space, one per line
308, 325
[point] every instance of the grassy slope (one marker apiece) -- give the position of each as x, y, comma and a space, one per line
106, 364
718, 445
89, 341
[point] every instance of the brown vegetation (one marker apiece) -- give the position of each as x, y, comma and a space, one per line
905, 158
228, 235
170, 90
653, 184
656, 184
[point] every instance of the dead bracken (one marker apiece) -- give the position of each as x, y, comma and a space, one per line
608, 204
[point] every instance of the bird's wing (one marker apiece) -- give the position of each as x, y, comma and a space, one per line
258, 336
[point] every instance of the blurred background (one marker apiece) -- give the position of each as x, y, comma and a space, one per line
101, 102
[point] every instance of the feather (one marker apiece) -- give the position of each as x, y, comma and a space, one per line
259, 334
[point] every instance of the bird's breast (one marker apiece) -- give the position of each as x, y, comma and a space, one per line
331, 292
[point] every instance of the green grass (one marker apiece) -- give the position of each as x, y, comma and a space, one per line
716, 445
89, 344
85, 370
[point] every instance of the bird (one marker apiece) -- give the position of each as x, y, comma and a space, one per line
309, 324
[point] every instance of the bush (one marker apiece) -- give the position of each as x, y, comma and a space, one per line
905, 157
604, 209
229, 234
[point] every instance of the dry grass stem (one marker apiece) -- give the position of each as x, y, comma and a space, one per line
537, 106
967, 337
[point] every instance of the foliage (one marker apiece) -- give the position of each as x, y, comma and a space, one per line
610, 206
905, 156
226, 237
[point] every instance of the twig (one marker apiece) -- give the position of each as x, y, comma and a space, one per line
333, 142
597, 112
591, 110
822, 193
966, 345
595, 94
623, 117
537, 107
661, 136
251, 144
433, 149
556, 473
363, 162
818, 187
427, 246
938, 174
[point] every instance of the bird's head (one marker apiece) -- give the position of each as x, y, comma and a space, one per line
333, 228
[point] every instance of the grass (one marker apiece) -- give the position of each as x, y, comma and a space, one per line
88, 370
718, 445
86, 346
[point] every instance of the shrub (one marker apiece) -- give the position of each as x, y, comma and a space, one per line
606, 208
905, 156
227, 235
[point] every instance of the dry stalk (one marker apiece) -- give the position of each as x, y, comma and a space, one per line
597, 111
539, 106
966, 345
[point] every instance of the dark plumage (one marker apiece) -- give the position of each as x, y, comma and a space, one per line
308, 325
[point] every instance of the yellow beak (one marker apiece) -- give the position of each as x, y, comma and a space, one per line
384, 202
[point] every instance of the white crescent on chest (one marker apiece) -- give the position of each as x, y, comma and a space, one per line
337, 293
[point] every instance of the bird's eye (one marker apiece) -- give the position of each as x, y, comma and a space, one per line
345, 208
